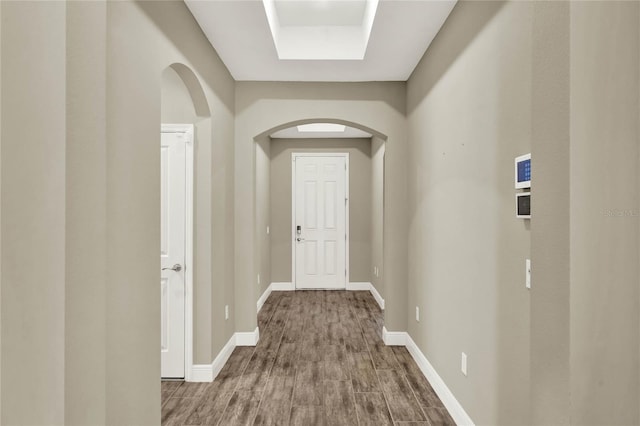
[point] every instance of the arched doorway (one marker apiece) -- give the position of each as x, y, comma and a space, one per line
275, 237
185, 171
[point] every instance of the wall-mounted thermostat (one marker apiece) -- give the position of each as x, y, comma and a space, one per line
523, 205
523, 171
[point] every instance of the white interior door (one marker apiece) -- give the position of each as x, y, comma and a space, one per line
172, 253
320, 211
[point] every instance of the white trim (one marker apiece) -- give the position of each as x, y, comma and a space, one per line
295, 155
365, 286
282, 287
208, 372
394, 338
293, 220
347, 195
268, 290
377, 296
222, 357
201, 373
263, 298
439, 386
187, 129
359, 286
249, 338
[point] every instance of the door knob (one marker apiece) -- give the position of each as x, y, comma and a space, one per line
300, 239
177, 268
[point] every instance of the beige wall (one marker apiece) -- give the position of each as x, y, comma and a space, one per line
33, 216
469, 115
377, 213
178, 107
79, 190
80, 306
263, 212
359, 208
262, 106
550, 257
0, 216
86, 263
604, 229
561, 80
143, 40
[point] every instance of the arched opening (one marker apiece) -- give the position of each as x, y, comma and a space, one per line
192, 86
352, 124
279, 237
186, 170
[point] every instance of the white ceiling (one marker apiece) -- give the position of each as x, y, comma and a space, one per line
314, 13
239, 31
299, 132
320, 29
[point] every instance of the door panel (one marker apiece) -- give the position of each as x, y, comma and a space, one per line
172, 252
320, 210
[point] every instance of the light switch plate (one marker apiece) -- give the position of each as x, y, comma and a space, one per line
528, 273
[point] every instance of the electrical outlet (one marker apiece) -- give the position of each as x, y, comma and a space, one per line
226, 312
528, 273
258, 278
417, 314
267, 230
463, 363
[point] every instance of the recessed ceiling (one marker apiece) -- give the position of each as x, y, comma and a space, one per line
319, 12
320, 131
320, 29
401, 31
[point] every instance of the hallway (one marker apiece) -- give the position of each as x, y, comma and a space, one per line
320, 360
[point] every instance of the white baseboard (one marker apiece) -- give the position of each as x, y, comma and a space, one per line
264, 297
356, 286
222, 357
377, 296
273, 287
444, 393
394, 338
201, 373
282, 287
359, 286
208, 372
249, 338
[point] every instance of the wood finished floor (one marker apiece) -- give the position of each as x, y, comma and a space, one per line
320, 361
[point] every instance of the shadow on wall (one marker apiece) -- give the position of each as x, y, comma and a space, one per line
183, 101
189, 44
322, 91
290, 124
467, 29
194, 88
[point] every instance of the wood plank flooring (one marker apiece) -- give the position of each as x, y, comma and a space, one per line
320, 361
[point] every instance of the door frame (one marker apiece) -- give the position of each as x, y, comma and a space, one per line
294, 156
188, 130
